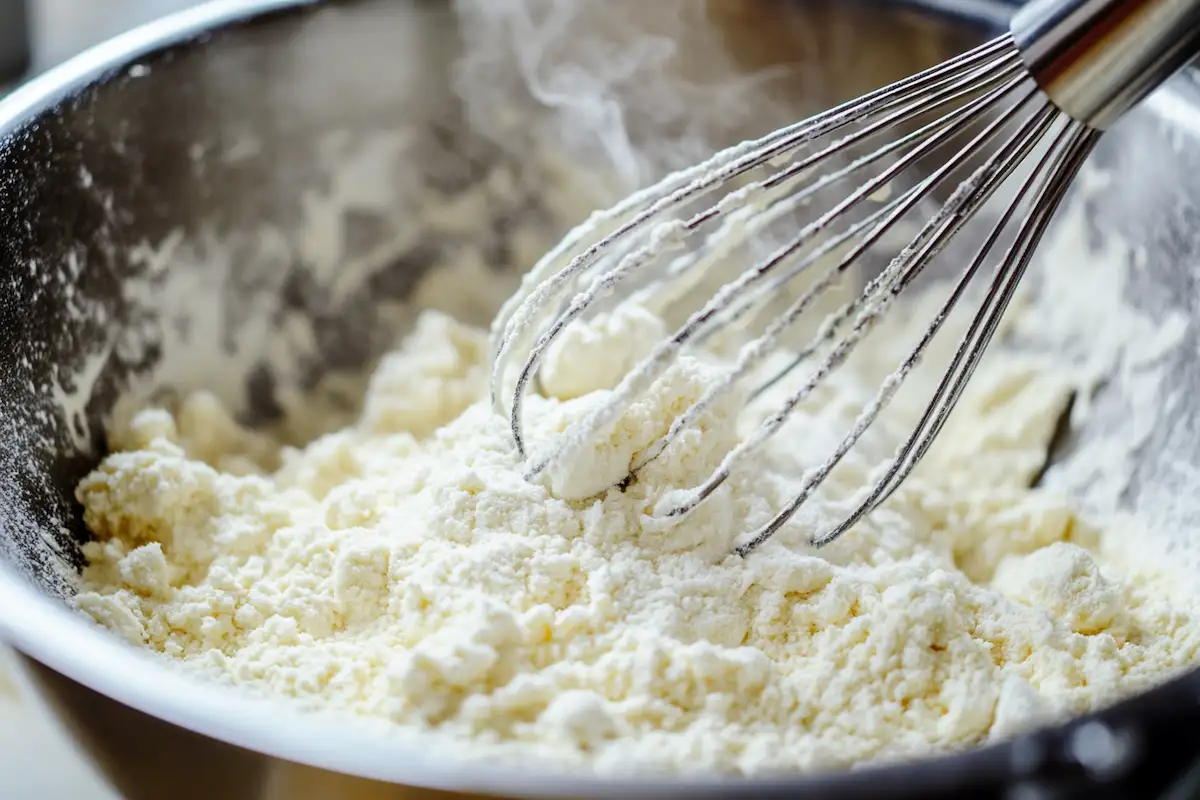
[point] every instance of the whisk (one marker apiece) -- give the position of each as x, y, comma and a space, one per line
1022, 111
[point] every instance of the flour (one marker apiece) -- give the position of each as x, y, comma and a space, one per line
610, 347
404, 568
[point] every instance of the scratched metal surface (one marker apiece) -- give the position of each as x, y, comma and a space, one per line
36, 759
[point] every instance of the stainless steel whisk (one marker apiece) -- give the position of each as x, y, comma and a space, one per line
1031, 103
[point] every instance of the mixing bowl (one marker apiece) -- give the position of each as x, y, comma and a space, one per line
252, 197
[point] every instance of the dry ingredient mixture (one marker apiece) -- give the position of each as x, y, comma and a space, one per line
403, 568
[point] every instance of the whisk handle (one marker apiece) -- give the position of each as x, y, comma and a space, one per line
1096, 59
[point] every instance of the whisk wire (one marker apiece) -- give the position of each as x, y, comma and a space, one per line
869, 306
970, 351
1051, 81
1076, 150
669, 236
643, 375
518, 314
785, 207
755, 352
1006, 163
955, 88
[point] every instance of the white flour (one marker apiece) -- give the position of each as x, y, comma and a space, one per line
402, 568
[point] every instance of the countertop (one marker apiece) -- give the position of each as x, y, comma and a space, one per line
36, 760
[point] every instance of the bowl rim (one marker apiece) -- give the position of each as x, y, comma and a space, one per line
64, 641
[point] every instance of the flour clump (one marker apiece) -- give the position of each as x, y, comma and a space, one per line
404, 568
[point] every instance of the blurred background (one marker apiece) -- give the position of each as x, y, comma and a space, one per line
57, 29
36, 761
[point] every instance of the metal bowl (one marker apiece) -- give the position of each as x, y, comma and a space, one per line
158, 197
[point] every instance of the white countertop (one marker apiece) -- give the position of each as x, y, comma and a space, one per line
36, 760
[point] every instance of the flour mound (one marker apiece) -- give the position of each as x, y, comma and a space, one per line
404, 568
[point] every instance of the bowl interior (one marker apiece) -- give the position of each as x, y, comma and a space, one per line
261, 211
